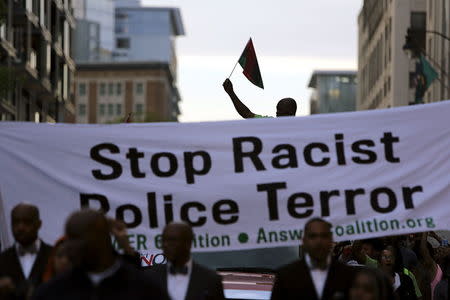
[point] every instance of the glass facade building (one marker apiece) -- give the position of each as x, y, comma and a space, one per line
334, 91
147, 34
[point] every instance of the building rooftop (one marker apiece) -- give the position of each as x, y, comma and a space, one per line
313, 81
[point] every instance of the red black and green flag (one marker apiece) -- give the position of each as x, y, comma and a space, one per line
249, 63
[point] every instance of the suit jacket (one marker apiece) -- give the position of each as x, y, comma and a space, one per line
127, 283
294, 282
204, 284
10, 266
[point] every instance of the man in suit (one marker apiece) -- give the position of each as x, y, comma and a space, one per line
22, 265
181, 277
315, 276
98, 273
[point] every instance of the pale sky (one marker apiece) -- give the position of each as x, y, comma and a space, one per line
291, 38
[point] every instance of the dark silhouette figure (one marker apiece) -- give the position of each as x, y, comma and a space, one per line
286, 107
98, 272
371, 284
23, 264
316, 275
182, 277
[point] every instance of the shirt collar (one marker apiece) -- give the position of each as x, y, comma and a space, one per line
36, 245
96, 278
311, 266
188, 265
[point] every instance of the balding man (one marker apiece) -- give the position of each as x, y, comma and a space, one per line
22, 265
182, 278
99, 273
286, 107
315, 276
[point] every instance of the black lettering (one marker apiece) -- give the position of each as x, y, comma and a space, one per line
225, 207
374, 200
168, 208
340, 151
189, 165
115, 166
184, 213
173, 164
120, 215
388, 140
133, 155
325, 201
85, 200
291, 157
152, 212
292, 205
239, 154
272, 199
371, 155
350, 200
307, 153
408, 193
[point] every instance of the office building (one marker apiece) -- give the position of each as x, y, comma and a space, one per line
108, 92
385, 72
438, 49
334, 91
36, 64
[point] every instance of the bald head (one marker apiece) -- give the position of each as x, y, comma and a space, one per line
25, 208
83, 221
25, 223
286, 107
184, 230
177, 241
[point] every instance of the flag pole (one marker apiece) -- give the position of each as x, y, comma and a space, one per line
233, 69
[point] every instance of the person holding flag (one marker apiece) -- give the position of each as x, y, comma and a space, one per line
248, 61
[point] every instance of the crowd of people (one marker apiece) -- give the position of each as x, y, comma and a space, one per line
83, 264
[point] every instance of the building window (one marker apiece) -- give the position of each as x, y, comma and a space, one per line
82, 109
123, 43
139, 108
139, 88
119, 88
121, 16
418, 20
102, 89
82, 89
119, 109
110, 89
102, 109
93, 30
345, 80
110, 109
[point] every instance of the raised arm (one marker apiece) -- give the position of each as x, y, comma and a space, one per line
240, 107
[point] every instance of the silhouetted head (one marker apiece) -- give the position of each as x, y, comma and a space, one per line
371, 284
88, 236
286, 107
176, 242
25, 223
317, 239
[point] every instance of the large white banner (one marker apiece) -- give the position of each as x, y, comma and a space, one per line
241, 184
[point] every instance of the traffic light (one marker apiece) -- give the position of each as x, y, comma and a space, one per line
412, 45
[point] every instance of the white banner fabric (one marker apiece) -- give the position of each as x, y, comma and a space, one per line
241, 184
